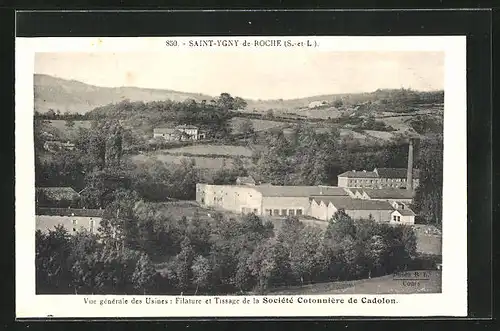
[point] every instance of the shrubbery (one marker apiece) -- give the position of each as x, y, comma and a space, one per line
220, 257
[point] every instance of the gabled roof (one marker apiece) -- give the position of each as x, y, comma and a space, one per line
184, 126
245, 180
163, 130
405, 212
359, 174
389, 193
69, 212
395, 172
58, 193
299, 191
348, 203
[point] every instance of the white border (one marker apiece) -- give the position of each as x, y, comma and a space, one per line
451, 302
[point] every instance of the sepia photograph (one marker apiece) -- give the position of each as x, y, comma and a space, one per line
313, 174
225, 176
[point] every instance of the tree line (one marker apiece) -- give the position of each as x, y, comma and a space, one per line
139, 250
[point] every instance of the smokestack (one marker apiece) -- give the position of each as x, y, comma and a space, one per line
409, 172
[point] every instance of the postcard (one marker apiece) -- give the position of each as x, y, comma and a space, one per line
241, 176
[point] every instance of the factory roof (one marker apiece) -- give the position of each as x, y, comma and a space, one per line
348, 203
359, 174
388, 193
299, 191
69, 212
395, 172
405, 212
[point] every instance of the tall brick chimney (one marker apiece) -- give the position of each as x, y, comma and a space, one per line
409, 171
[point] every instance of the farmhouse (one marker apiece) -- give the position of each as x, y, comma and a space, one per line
56, 197
325, 207
55, 145
316, 104
179, 133
73, 220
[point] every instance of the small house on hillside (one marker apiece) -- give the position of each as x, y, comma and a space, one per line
73, 220
316, 104
179, 133
55, 145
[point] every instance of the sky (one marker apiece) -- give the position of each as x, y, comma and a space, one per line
253, 75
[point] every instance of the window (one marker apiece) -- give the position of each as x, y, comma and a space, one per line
276, 212
394, 218
283, 212
399, 218
299, 212
255, 211
91, 223
269, 212
74, 225
291, 212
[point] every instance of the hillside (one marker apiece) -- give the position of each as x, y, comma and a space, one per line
77, 97
73, 96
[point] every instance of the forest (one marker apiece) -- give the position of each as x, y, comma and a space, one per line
141, 252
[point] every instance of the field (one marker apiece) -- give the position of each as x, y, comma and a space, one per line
258, 125
389, 284
222, 150
200, 161
59, 128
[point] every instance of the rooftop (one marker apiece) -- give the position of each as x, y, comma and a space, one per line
395, 172
359, 174
69, 212
184, 126
405, 212
58, 193
299, 191
245, 180
348, 203
388, 193
163, 130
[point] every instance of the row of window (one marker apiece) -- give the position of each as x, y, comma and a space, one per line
283, 212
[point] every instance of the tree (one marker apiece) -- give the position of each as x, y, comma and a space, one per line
375, 251
70, 123
304, 255
340, 226
202, 273
184, 262
52, 261
246, 128
429, 194
144, 275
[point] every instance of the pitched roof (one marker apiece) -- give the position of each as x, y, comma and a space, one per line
359, 174
163, 130
396, 172
69, 212
184, 126
58, 193
405, 212
245, 180
299, 191
348, 203
388, 193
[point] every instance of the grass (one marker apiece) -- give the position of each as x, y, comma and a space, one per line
223, 150
389, 284
200, 161
258, 125
65, 133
